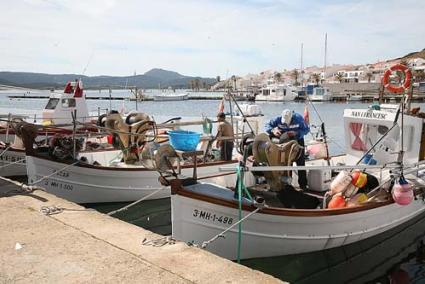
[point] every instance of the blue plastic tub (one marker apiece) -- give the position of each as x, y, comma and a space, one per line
184, 140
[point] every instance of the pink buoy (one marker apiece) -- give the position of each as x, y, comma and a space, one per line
402, 194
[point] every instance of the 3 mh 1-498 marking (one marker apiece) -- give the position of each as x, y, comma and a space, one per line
212, 217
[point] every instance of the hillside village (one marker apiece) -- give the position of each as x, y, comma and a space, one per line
365, 77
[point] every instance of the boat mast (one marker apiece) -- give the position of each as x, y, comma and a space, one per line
301, 66
326, 53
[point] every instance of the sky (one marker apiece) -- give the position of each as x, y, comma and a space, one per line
206, 38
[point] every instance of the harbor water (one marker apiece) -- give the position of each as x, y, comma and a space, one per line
397, 256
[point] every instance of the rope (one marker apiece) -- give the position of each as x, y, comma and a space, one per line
53, 210
135, 202
221, 235
241, 186
16, 162
61, 169
21, 187
168, 240
238, 252
4, 151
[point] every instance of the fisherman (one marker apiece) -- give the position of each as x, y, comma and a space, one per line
290, 126
224, 130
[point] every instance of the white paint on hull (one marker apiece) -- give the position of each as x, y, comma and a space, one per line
266, 235
99, 185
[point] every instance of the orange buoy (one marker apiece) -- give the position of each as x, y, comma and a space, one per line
337, 201
402, 87
359, 179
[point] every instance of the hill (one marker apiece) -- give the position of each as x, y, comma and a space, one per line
151, 79
418, 54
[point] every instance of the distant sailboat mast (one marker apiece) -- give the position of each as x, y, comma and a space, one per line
301, 66
326, 53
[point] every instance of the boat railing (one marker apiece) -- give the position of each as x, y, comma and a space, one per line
393, 166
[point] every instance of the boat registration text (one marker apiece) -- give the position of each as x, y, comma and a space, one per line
201, 214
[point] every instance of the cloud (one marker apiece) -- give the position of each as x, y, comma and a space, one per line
206, 38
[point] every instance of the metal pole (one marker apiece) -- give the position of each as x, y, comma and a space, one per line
74, 117
110, 99
240, 110
9, 117
136, 94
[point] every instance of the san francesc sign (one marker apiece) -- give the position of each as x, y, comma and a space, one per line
369, 114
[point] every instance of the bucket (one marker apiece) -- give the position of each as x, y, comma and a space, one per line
317, 150
184, 140
368, 160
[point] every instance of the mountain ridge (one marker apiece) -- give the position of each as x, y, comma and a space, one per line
151, 79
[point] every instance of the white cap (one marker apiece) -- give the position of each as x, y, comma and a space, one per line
286, 116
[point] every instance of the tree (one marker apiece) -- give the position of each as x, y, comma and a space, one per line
197, 84
339, 77
316, 78
278, 77
218, 78
295, 74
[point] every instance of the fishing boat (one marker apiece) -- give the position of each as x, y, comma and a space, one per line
57, 114
103, 176
377, 185
57, 119
170, 97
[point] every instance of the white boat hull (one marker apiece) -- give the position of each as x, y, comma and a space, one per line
9, 165
266, 235
325, 98
171, 97
100, 184
272, 98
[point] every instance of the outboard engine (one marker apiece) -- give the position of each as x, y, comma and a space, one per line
270, 154
131, 136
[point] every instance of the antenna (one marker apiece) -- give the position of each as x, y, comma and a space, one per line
88, 62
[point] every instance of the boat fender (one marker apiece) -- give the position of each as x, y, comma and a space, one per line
358, 179
357, 200
337, 201
350, 190
403, 86
340, 183
402, 193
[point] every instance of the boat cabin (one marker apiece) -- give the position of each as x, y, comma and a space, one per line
60, 105
364, 127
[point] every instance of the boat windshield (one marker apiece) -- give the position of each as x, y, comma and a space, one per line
66, 103
52, 103
320, 91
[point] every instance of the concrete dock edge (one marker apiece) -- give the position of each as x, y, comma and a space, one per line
82, 246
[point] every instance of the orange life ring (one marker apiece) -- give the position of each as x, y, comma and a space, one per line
402, 87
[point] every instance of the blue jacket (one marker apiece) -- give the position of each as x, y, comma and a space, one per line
297, 124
